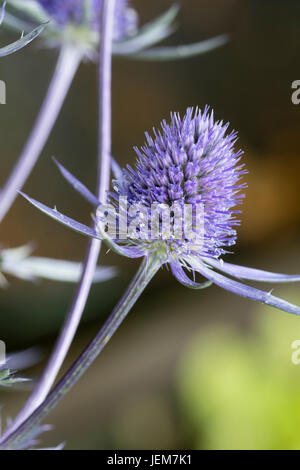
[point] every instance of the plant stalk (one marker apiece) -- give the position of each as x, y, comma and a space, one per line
148, 268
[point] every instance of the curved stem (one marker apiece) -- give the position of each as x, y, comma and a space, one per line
81, 295
66, 68
147, 270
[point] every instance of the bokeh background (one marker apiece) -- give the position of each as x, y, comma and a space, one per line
187, 369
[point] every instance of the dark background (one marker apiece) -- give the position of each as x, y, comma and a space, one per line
129, 397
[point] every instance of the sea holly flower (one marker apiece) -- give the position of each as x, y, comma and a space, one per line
76, 22
192, 161
15, 362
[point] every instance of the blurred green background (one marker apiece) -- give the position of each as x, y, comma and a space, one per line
187, 369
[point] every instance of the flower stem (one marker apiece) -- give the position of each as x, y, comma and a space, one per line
147, 270
65, 71
81, 295
105, 73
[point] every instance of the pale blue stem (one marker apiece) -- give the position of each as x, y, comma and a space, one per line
79, 301
147, 270
66, 68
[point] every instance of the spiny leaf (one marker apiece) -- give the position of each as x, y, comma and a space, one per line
22, 42
150, 34
63, 219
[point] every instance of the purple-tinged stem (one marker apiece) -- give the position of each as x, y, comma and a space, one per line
65, 71
148, 268
79, 301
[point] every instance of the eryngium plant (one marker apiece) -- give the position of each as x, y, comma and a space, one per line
191, 161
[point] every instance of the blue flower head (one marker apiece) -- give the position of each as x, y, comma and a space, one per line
191, 162
78, 11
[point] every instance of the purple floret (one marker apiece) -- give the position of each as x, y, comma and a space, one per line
190, 161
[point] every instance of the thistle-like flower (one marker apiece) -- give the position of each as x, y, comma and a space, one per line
190, 164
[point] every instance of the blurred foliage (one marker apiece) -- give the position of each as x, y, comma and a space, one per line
240, 390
